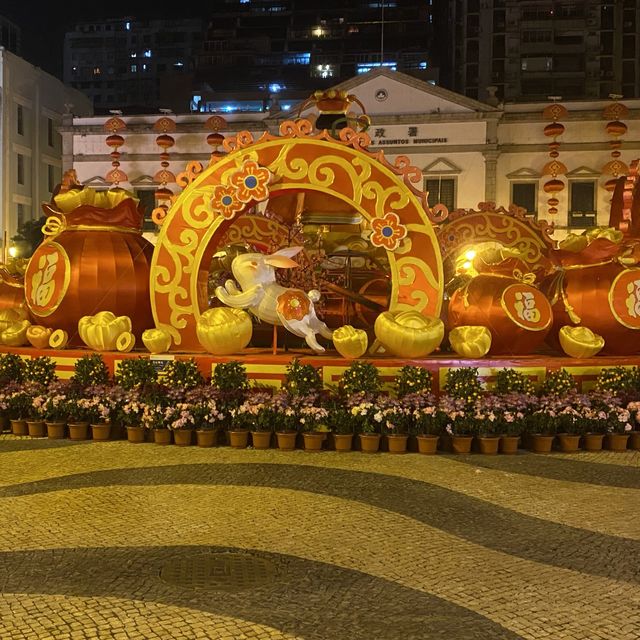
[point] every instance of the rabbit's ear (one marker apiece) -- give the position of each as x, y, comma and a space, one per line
280, 261
289, 252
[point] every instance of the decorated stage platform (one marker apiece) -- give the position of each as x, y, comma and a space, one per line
266, 369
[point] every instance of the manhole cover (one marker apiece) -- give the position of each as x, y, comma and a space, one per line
219, 571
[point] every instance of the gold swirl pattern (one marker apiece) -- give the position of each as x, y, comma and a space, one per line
299, 160
192, 171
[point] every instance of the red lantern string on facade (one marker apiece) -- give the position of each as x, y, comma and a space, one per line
164, 126
115, 141
554, 167
615, 128
215, 139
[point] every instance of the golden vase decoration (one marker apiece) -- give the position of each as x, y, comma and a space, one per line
408, 334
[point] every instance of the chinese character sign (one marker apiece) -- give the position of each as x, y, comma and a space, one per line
47, 279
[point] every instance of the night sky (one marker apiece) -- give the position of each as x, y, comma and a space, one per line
43, 28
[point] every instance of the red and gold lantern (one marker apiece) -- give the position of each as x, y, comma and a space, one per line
615, 128
115, 141
215, 139
554, 168
93, 259
164, 126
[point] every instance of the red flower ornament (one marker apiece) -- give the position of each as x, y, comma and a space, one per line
387, 231
251, 182
293, 305
225, 201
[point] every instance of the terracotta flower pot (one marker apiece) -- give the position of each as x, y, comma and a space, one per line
615, 441
369, 442
461, 444
286, 440
592, 441
101, 431
162, 436
488, 445
239, 439
5, 424
261, 439
37, 428
634, 440
541, 443
206, 437
78, 430
135, 434
397, 443
509, 445
56, 430
313, 441
568, 442
182, 437
19, 428
343, 442
427, 444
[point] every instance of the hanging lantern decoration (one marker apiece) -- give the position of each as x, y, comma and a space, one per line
554, 167
215, 139
615, 128
115, 141
164, 126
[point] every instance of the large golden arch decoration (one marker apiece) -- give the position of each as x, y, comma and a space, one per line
297, 160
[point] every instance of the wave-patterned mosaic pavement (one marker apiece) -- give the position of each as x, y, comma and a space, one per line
101, 540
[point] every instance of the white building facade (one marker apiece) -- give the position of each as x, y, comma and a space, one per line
468, 151
32, 105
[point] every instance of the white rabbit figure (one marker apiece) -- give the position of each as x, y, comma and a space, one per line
265, 298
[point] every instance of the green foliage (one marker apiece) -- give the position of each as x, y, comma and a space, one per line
558, 383
464, 384
182, 373
29, 236
11, 368
302, 379
90, 370
511, 381
230, 376
619, 380
360, 377
413, 380
41, 370
134, 372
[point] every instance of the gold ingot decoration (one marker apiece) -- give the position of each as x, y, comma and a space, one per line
15, 335
608, 233
580, 342
471, 341
125, 342
10, 316
157, 340
100, 332
59, 339
39, 336
71, 200
409, 334
222, 331
574, 243
350, 343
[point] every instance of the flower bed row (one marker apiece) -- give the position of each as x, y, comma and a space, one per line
183, 403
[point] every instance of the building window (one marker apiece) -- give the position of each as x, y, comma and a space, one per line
582, 198
20, 120
20, 216
50, 132
147, 199
524, 194
51, 177
441, 191
20, 169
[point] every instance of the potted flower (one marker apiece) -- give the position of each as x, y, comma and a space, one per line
461, 424
340, 423
487, 417
256, 415
286, 408
541, 423
17, 400
207, 414
396, 421
426, 421
135, 415
634, 435
367, 418
55, 410
181, 420
516, 406
313, 422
